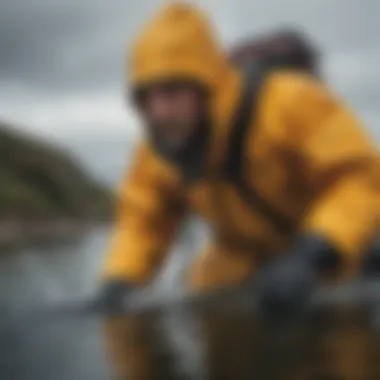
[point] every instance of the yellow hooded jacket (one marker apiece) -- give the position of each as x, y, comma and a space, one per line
305, 154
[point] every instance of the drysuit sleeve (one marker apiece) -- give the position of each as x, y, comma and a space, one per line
149, 211
340, 165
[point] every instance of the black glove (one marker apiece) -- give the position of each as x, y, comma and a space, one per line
113, 297
371, 264
284, 286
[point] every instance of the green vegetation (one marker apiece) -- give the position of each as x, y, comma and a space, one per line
41, 182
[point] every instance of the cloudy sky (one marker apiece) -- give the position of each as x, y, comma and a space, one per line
62, 62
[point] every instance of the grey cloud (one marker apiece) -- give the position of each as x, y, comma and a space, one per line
69, 45
78, 45
336, 24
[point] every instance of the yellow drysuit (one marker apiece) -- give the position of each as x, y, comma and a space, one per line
305, 154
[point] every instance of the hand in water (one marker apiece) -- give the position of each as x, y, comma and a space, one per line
285, 286
113, 297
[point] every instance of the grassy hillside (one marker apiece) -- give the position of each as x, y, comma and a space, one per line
38, 181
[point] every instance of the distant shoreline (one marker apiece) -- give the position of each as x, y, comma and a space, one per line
44, 191
18, 234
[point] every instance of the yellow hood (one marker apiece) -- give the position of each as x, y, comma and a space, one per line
179, 43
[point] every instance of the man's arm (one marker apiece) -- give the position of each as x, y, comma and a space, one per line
339, 170
150, 210
341, 166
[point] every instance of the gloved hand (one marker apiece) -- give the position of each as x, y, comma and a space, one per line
371, 264
284, 286
113, 297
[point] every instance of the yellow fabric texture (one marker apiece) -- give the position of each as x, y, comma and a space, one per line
148, 216
305, 154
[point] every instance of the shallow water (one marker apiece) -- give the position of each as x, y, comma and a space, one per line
186, 344
62, 348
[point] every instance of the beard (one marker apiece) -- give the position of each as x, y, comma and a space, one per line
173, 136
188, 148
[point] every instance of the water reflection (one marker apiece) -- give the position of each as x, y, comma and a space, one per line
64, 348
339, 345
178, 344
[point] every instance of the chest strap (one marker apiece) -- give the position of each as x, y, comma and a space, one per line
253, 78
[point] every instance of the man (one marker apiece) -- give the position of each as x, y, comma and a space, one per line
303, 196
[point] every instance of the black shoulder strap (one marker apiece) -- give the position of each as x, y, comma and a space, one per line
254, 77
